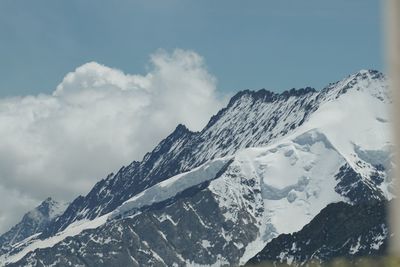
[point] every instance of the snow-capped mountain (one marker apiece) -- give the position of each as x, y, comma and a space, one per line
32, 223
220, 196
250, 119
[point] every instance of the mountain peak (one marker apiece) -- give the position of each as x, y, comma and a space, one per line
367, 74
298, 92
181, 128
48, 201
47, 210
370, 72
33, 222
367, 81
263, 94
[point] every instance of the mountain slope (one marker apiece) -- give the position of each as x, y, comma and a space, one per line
310, 149
235, 127
34, 222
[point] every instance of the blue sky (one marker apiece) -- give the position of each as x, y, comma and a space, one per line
246, 44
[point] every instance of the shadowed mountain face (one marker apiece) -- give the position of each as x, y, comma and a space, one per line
265, 166
339, 231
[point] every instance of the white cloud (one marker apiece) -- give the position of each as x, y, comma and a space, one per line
96, 120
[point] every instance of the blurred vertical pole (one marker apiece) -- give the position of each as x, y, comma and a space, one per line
392, 10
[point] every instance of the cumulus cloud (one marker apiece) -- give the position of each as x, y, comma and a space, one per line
97, 119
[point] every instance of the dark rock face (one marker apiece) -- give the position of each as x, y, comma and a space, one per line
340, 230
352, 186
186, 229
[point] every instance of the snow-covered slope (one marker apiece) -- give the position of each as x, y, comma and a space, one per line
357, 123
171, 187
306, 149
297, 180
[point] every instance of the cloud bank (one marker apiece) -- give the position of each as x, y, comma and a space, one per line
97, 119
